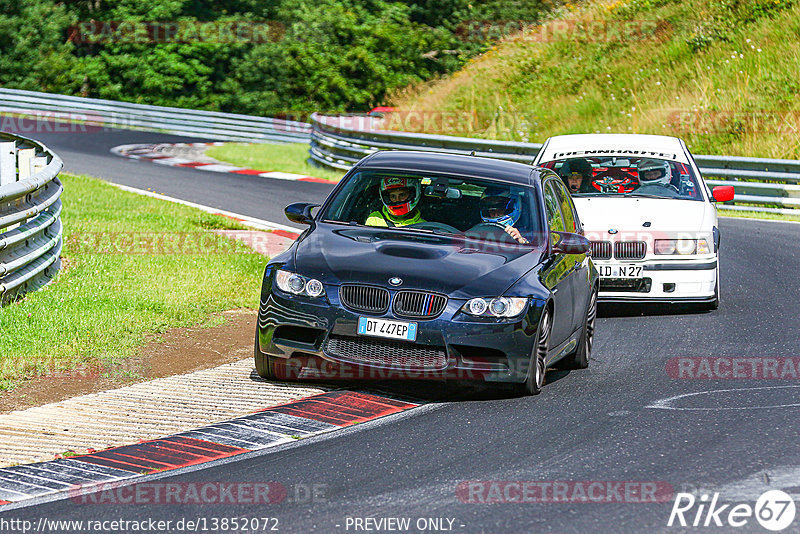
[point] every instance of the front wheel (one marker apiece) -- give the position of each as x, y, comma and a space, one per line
263, 363
536, 370
715, 303
712, 304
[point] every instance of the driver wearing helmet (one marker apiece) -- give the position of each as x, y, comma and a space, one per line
654, 172
400, 197
577, 173
499, 206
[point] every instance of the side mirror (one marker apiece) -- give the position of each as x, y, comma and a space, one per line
723, 193
300, 212
570, 244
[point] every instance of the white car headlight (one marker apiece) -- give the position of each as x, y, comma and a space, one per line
681, 247
495, 307
296, 284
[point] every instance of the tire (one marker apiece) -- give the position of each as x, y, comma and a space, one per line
714, 304
580, 358
263, 362
536, 370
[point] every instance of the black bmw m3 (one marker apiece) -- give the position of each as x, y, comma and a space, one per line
431, 266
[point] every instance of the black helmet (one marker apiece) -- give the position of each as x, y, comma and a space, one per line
576, 165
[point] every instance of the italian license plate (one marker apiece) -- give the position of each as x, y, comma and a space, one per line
368, 326
620, 271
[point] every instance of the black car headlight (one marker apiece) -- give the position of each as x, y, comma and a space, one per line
296, 284
504, 307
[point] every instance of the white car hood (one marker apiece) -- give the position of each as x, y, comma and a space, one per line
627, 215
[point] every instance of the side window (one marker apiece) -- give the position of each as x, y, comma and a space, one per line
567, 207
554, 219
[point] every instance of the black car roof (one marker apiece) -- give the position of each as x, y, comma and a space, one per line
433, 162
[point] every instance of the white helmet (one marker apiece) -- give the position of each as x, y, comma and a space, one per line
647, 166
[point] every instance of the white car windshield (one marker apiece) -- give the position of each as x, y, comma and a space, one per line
627, 176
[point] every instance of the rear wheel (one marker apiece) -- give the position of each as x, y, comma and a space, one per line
580, 358
537, 368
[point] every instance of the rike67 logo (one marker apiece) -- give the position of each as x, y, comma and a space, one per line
774, 510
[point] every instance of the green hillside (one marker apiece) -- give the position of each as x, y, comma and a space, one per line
722, 74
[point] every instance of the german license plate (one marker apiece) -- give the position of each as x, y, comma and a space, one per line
620, 271
369, 326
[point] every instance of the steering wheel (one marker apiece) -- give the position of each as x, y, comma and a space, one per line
433, 225
668, 191
492, 227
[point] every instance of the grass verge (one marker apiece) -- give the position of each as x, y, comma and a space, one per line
721, 74
289, 157
759, 215
133, 266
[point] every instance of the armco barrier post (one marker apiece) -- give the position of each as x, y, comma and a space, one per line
8, 163
30, 209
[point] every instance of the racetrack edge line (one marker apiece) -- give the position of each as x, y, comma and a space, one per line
246, 220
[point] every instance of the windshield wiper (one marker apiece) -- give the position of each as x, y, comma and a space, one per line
443, 232
405, 228
423, 230
643, 195
351, 223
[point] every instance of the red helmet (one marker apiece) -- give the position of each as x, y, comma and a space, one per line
403, 205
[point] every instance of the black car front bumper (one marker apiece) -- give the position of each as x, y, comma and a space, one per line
318, 339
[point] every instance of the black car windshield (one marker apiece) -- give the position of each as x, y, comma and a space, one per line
465, 206
628, 176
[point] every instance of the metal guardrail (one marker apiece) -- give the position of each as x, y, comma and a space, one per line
769, 185
128, 116
30, 209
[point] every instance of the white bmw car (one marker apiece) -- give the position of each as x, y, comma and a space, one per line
649, 214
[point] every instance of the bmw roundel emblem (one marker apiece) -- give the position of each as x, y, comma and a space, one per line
395, 281
612, 231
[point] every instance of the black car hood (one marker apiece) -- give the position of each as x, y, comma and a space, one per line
458, 267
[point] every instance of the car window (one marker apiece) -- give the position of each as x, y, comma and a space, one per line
628, 176
554, 218
436, 203
567, 208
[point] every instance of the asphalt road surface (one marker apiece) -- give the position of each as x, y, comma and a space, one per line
88, 153
618, 421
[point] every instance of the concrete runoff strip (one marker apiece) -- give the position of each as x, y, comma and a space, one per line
115, 467
142, 411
